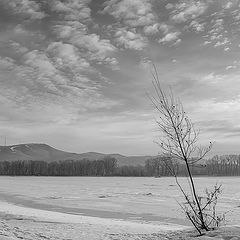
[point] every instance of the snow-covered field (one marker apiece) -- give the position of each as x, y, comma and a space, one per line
103, 208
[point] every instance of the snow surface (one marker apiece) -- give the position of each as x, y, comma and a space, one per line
116, 225
110, 205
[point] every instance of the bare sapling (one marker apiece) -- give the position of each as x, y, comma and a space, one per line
179, 144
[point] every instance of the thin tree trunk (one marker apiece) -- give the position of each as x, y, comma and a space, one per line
195, 196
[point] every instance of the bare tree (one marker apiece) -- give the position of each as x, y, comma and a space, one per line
179, 143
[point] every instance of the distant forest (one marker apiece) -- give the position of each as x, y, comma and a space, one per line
227, 165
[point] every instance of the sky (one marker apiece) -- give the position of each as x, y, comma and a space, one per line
76, 74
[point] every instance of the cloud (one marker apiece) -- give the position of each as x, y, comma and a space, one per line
131, 40
197, 27
53, 65
73, 29
99, 48
152, 29
66, 30
156, 28
224, 110
92, 47
58, 56
169, 6
212, 78
230, 67
43, 89
188, 10
66, 56
17, 47
234, 65
170, 37
145, 63
38, 60
182, 17
134, 13
6, 63
217, 20
61, 74
228, 5
222, 29
217, 35
136, 18
72, 10
24, 8
165, 28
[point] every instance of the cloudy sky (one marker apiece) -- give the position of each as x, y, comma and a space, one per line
74, 73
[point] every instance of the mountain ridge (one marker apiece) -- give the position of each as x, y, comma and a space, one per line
44, 152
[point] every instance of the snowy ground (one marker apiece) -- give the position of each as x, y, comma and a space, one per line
14, 227
102, 208
33, 223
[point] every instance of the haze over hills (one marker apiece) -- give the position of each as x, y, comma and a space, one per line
44, 152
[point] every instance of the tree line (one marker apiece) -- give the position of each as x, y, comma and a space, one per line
226, 165
85, 167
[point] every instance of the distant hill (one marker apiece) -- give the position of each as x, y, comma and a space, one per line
44, 152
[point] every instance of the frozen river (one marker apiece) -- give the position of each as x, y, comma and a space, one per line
148, 199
